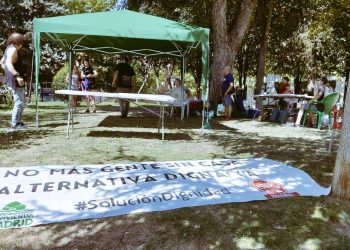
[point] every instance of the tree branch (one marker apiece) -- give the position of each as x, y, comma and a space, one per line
239, 27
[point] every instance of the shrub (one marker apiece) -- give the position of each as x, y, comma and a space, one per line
59, 80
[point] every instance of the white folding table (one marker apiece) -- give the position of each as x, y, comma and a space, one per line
162, 100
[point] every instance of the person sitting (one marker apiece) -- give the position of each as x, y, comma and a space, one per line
281, 112
285, 86
177, 86
319, 91
182, 96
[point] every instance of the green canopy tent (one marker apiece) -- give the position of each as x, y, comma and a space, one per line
121, 32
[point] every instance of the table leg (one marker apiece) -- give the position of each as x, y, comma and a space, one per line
162, 115
68, 123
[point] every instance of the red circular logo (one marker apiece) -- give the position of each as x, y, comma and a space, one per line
269, 187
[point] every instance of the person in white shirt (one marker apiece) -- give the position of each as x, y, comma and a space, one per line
319, 94
14, 80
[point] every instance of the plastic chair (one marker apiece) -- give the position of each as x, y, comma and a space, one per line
328, 102
179, 102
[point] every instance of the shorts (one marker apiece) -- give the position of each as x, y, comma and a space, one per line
227, 101
87, 85
124, 90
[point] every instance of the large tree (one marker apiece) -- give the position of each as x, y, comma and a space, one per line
227, 38
341, 173
339, 18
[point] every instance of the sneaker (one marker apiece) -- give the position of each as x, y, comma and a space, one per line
20, 125
87, 111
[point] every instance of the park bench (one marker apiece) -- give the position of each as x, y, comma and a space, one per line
50, 92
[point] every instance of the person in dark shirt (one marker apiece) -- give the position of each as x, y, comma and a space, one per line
88, 76
124, 80
227, 89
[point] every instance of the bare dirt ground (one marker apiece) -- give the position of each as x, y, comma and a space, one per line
104, 137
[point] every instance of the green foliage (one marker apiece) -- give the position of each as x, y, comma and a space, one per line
78, 6
5, 95
59, 80
307, 38
18, 16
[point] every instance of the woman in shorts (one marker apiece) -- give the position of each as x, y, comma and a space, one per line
89, 75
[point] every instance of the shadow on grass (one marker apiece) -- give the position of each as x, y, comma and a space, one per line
147, 121
19, 139
56, 125
294, 223
141, 135
310, 156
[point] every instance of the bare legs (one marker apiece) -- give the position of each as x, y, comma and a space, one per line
300, 115
74, 101
228, 112
89, 99
124, 107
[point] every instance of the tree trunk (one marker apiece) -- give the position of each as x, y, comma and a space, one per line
226, 44
347, 81
341, 173
297, 84
266, 13
220, 49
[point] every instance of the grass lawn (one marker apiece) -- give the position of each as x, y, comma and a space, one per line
104, 137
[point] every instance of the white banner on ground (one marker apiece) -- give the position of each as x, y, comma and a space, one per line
40, 195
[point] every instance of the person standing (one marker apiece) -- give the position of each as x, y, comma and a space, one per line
227, 89
74, 85
14, 80
124, 79
89, 75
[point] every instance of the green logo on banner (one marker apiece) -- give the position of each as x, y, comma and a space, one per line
15, 215
14, 206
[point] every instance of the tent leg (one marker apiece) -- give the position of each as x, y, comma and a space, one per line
162, 117
183, 70
68, 122
37, 65
70, 113
72, 121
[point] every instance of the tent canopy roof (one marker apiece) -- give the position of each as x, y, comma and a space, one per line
122, 30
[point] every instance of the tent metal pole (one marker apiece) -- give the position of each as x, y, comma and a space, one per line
70, 113
205, 86
183, 71
37, 65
